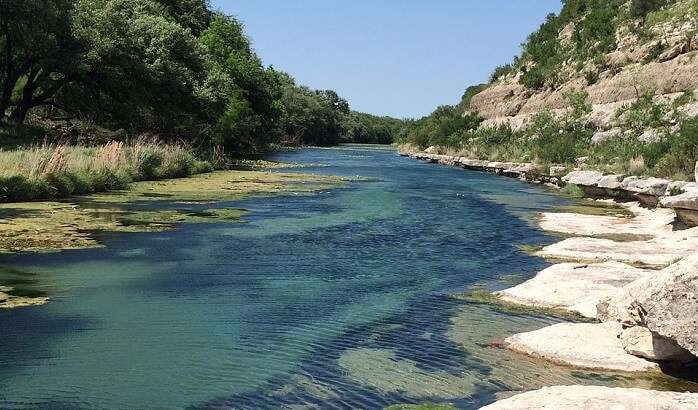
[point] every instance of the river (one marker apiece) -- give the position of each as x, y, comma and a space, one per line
338, 299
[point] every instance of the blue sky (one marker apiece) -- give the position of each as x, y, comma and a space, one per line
389, 57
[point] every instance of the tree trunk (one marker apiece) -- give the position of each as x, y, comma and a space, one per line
10, 76
19, 114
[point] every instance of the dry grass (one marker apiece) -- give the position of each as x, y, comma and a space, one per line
53, 171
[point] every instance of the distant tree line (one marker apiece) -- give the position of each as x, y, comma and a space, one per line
95, 70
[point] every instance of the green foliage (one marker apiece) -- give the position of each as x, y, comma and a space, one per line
500, 72
594, 34
644, 114
446, 126
595, 24
468, 95
592, 77
171, 68
370, 129
681, 152
572, 190
640, 8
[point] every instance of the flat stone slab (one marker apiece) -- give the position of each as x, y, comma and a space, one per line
646, 222
658, 252
597, 397
574, 287
584, 345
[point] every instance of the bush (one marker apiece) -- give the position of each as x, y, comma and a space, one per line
500, 72
682, 152
640, 8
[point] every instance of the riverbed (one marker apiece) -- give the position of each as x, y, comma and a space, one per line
336, 299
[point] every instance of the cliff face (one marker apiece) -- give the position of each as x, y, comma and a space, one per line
662, 62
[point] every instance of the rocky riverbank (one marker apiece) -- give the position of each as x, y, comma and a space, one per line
636, 275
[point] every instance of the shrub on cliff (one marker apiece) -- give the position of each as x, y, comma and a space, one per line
682, 152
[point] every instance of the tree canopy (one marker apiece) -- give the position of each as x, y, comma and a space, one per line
171, 68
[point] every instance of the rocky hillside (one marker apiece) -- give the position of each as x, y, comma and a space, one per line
608, 85
652, 54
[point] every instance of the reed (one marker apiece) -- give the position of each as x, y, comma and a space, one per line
52, 171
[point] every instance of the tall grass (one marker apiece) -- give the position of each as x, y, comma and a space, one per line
57, 171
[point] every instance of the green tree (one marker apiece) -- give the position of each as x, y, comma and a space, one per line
244, 96
39, 54
144, 67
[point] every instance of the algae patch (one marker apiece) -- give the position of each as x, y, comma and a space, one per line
422, 406
49, 226
482, 296
383, 371
19, 290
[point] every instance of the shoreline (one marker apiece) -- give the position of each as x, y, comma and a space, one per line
75, 222
600, 279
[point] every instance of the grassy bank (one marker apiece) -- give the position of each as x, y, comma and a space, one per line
58, 171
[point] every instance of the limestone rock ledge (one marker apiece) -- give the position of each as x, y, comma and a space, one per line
646, 222
597, 397
657, 252
574, 287
582, 345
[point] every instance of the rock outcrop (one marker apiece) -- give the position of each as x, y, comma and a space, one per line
685, 205
574, 287
597, 397
665, 303
655, 253
583, 345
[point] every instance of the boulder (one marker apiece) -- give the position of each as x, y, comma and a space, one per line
650, 186
597, 397
603, 136
679, 187
687, 200
431, 150
610, 182
650, 136
627, 181
640, 341
557, 170
685, 205
665, 303
583, 178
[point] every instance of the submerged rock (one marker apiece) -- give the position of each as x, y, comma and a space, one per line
597, 397
574, 287
665, 303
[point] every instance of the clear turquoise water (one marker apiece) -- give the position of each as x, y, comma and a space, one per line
333, 300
